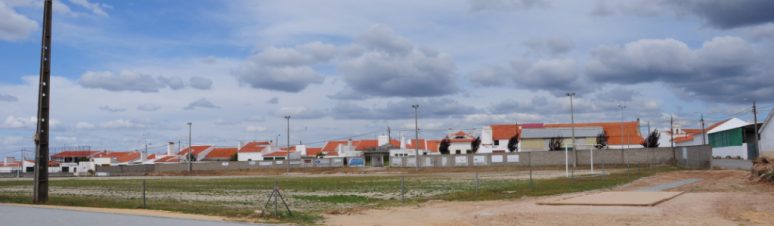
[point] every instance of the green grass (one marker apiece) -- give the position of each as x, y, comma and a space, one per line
311, 196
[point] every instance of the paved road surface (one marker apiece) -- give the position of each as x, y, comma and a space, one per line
40, 216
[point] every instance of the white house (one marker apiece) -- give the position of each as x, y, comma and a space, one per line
411, 147
767, 136
460, 143
254, 151
729, 138
9, 165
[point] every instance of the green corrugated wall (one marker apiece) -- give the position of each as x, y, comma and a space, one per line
732, 137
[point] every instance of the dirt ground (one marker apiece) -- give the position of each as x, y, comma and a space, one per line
722, 197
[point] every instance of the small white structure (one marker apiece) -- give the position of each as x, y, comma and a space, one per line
767, 136
9, 165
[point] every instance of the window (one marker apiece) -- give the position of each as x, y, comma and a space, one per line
458, 152
497, 142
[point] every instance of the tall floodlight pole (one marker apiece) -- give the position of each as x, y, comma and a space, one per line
287, 161
40, 186
703, 132
416, 133
572, 123
622, 107
190, 149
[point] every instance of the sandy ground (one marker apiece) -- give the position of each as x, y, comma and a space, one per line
720, 198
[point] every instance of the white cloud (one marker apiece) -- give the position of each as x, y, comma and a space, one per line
14, 122
121, 124
14, 26
84, 125
201, 103
255, 129
285, 69
96, 8
8, 98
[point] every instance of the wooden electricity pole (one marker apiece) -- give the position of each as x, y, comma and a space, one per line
40, 186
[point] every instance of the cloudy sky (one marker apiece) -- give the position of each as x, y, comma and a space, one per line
130, 72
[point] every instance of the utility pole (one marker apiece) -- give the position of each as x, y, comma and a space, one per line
703, 132
40, 186
622, 107
572, 123
672, 131
287, 161
190, 149
648, 127
416, 133
757, 136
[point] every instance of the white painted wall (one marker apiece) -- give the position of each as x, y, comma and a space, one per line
732, 151
249, 156
767, 137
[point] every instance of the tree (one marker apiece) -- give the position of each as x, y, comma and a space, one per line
652, 140
602, 140
319, 155
513, 143
475, 144
234, 157
555, 143
444, 146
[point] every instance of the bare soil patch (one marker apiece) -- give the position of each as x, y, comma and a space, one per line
720, 198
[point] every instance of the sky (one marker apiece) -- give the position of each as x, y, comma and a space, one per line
130, 73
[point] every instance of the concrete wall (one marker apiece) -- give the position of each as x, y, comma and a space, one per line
693, 157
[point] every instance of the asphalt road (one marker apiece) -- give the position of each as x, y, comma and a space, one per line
41, 216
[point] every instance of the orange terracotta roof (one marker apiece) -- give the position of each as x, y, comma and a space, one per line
460, 133
684, 139
363, 145
119, 156
10, 164
631, 133
432, 145
151, 156
311, 152
716, 125
169, 158
504, 131
50, 163
692, 131
255, 146
196, 149
277, 154
75, 154
221, 153
333, 145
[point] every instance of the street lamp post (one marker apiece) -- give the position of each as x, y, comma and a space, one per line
572, 123
190, 148
622, 107
287, 160
416, 133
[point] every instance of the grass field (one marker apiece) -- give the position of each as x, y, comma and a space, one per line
309, 197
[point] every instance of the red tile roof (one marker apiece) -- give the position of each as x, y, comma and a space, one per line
75, 154
151, 156
631, 132
50, 163
504, 131
333, 145
255, 146
119, 156
685, 138
196, 149
11, 164
311, 152
363, 145
432, 145
168, 158
221, 153
277, 154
